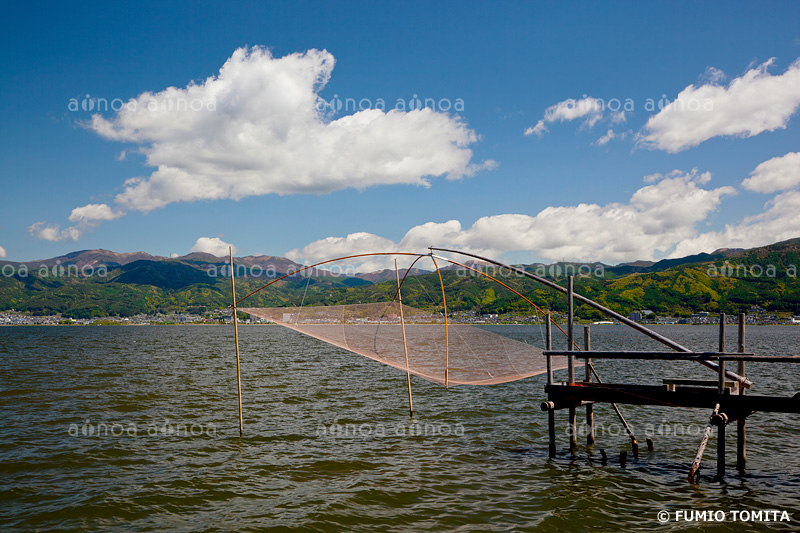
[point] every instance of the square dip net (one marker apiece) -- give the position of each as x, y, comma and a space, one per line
443, 353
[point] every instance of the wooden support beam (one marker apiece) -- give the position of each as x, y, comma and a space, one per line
587, 344
551, 415
741, 438
677, 356
573, 421
735, 406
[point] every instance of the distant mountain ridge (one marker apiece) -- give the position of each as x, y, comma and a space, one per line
98, 257
278, 264
131, 283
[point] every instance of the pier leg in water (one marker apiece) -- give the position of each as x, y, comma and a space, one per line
587, 343
551, 415
721, 420
741, 441
573, 421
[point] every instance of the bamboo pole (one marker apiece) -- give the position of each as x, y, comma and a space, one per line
236, 338
446, 327
695, 469
405, 345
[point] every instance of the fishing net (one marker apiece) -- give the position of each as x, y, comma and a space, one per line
453, 354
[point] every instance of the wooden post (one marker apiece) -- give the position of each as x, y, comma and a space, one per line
236, 338
570, 330
573, 422
551, 414
741, 441
587, 345
548, 343
405, 345
721, 426
721, 389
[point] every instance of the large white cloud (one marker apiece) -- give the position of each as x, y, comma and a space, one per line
214, 246
777, 174
260, 127
2, 252
657, 217
751, 104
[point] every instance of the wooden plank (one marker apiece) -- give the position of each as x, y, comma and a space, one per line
734, 405
676, 356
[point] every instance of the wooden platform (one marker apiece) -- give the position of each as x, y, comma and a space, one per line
734, 406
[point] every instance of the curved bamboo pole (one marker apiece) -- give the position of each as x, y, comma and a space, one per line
446, 326
507, 287
625, 320
323, 263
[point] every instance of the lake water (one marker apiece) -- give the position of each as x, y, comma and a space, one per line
135, 429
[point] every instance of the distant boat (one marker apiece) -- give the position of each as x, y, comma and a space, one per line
601, 322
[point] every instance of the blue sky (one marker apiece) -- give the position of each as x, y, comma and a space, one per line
557, 131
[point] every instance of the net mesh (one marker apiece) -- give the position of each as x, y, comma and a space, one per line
470, 355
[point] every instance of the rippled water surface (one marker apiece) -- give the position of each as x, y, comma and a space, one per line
135, 429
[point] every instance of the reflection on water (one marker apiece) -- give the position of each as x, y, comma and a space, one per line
135, 428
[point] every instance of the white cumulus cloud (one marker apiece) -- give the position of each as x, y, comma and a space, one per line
2, 252
539, 129
656, 218
214, 246
92, 213
777, 174
53, 232
779, 221
85, 218
260, 127
609, 136
589, 110
355, 243
751, 104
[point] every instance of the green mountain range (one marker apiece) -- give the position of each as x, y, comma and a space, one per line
97, 283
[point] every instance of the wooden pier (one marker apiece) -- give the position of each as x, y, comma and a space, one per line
725, 396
